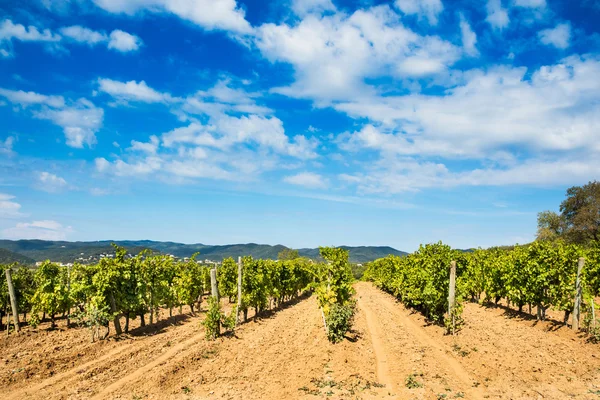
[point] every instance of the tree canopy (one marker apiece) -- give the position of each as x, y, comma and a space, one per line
579, 218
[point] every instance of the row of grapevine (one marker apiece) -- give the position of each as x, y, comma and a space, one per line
541, 274
421, 279
124, 287
333, 287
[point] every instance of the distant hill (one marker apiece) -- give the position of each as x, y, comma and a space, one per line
62, 251
9, 257
359, 254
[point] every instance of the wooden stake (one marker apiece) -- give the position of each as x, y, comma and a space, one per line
214, 289
593, 314
13, 300
452, 293
577, 302
69, 295
239, 292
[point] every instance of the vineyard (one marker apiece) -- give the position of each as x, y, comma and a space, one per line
125, 288
542, 275
150, 326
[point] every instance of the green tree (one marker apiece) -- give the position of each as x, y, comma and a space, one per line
288, 254
581, 212
551, 226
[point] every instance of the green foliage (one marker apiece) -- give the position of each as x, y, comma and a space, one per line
288, 254
421, 279
333, 281
212, 321
339, 320
227, 277
51, 295
411, 382
542, 274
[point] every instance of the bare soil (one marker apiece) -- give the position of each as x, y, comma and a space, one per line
392, 353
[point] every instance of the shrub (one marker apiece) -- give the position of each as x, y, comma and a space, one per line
339, 320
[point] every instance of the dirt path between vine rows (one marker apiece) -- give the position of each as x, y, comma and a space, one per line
391, 353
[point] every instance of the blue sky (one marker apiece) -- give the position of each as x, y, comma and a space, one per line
300, 122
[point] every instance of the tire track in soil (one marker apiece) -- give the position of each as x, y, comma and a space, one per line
172, 352
128, 350
381, 308
63, 376
383, 373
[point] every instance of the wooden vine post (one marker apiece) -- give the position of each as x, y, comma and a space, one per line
452, 294
577, 302
13, 301
214, 288
239, 292
214, 291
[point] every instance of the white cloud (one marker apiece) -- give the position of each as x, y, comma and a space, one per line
123, 41
497, 16
80, 122
6, 145
79, 119
209, 14
9, 31
558, 37
132, 91
306, 179
469, 38
8, 207
225, 131
530, 3
151, 147
304, 7
556, 109
44, 230
400, 174
51, 183
548, 119
429, 9
26, 99
81, 34
332, 55
117, 40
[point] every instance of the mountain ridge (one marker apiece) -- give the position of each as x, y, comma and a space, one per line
64, 251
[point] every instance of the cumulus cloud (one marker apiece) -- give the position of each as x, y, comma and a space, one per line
228, 136
26, 99
555, 109
81, 34
8, 207
43, 230
559, 36
429, 9
50, 183
497, 16
550, 115
333, 55
131, 91
209, 14
469, 38
304, 7
117, 40
123, 41
306, 179
530, 3
80, 119
10, 30
6, 145
401, 174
